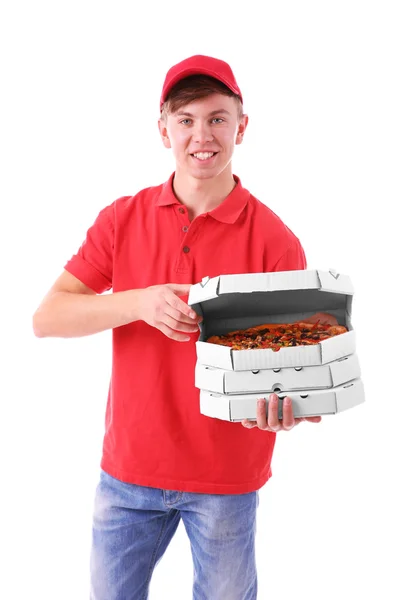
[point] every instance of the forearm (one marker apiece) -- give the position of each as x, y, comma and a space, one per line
67, 315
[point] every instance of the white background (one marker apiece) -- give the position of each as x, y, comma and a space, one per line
326, 86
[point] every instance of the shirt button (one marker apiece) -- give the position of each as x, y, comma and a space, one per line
185, 228
186, 249
181, 210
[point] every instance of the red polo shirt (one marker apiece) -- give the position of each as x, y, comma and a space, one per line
154, 433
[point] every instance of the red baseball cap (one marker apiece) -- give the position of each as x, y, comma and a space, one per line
200, 65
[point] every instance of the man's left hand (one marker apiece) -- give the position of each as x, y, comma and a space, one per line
272, 421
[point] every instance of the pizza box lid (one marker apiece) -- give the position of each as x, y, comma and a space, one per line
278, 379
230, 302
305, 403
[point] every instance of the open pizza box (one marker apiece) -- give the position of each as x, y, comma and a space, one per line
231, 302
305, 403
278, 379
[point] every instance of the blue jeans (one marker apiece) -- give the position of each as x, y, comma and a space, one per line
133, 525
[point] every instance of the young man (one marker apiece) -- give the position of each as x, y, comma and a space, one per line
162, 460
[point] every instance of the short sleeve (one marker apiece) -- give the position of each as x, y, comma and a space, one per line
294, 258
93, 262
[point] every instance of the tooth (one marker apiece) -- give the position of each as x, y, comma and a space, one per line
203, 155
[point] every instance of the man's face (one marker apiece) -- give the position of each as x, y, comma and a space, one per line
203, 135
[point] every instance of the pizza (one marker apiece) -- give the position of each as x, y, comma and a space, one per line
278, 335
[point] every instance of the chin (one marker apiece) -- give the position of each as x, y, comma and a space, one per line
203, 175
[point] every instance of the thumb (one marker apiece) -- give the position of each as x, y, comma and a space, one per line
180, 289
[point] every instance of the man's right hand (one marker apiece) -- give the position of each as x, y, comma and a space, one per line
160, 306
71, 309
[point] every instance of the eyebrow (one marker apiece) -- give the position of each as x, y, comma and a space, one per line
214, 112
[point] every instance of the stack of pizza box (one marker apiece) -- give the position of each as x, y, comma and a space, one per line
320, 379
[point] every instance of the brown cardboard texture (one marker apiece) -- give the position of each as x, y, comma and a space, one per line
231, 302
330, 375
305, 403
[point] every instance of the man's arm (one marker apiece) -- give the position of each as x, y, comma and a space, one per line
72, 309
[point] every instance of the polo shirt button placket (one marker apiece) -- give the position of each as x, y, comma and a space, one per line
182, 264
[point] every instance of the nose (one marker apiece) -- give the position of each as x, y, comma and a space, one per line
202, 133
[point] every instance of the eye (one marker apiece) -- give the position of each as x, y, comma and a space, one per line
218, 119
185, 121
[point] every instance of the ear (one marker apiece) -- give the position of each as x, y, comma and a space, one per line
164, 133
241, 129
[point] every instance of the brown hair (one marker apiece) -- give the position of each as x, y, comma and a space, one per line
193, 88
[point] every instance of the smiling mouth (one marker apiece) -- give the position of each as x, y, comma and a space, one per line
204, 155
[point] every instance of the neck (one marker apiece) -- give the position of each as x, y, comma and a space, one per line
202, 195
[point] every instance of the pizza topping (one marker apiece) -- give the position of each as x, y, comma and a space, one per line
278, 336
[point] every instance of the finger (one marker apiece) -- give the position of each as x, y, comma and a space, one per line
313, 419
177, 325
172, 334
181, 289
261, 414
249, 424
288, 420
177, 304
273, 418
179, 316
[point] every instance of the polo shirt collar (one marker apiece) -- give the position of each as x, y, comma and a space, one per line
227, 212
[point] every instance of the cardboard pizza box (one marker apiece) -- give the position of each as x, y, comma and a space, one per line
278, 379
231, 302
305, 403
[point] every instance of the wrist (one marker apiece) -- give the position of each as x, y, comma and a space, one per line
134, 301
